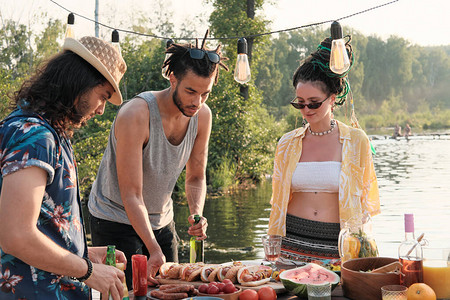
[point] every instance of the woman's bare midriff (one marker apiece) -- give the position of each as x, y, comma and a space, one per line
322, 207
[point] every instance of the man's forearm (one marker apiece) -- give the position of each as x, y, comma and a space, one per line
138, 215
195, 194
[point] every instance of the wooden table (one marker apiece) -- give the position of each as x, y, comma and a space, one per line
337, 294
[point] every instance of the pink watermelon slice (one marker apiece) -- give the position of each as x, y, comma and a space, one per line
295, 280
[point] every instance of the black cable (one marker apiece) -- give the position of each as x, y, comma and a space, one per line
228, 38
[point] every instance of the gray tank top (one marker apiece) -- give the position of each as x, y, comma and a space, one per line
162, 165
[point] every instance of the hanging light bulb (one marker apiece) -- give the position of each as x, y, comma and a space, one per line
242, 70
339, 61
164, 70
115, 41
70, 33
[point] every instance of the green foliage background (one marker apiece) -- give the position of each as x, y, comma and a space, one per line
392, 81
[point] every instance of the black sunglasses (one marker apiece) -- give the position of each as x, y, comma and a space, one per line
197, 53
312, 105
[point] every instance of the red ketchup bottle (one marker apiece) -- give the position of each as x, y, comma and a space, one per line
139, 268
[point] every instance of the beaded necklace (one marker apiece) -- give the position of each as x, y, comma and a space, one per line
332, 124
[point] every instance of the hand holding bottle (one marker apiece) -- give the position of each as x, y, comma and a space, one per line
198, 229
196, 245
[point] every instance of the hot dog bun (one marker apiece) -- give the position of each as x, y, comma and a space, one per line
207, 271
254, 275
170, 270
213, 276
191, 272
229, 271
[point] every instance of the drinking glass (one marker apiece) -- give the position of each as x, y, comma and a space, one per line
272, 247
394, 292
436, 270
319, 291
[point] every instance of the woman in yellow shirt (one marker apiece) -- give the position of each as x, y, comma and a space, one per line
323, 171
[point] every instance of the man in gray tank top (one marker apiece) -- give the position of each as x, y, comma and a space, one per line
154, 136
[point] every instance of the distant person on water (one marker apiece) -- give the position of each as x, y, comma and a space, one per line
153, 138
407, 131
323, 170
397, 131
44, 253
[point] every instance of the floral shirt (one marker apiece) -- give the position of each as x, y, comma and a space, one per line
28, 140
358, 188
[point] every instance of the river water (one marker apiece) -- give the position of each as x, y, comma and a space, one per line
413, 177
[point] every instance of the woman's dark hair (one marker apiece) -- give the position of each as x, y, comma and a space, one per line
316, 68
52, 90
181, 61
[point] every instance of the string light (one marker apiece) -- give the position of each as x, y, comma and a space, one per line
242, 70
339, 61
169, 42
338, 58
232, 37
115, 41
70, 33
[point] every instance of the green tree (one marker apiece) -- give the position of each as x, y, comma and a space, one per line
16, 54
243, 134
48, 43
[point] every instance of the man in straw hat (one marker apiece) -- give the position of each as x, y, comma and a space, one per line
44, 254
155, 135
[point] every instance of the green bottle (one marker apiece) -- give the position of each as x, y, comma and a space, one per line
111, 261
196, 251
111, 255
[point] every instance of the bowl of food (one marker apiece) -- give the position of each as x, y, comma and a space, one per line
223, 290
359, 282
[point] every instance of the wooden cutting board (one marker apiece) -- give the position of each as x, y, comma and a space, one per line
277, 286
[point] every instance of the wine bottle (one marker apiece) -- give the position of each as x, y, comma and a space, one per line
196, 252
410, 255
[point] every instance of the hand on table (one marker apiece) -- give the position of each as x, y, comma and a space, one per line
155, 261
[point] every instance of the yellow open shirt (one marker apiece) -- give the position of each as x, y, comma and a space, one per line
358, 188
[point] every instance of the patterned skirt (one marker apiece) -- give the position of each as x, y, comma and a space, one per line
311, 241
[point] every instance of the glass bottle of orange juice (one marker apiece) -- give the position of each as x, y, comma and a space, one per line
410, 255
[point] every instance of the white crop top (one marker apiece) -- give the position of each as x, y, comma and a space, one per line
316, 176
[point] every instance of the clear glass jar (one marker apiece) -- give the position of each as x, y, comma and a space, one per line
356, 240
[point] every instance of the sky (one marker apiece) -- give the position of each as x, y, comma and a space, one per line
421, 22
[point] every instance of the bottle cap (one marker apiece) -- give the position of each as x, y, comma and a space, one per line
196, 219
409, 222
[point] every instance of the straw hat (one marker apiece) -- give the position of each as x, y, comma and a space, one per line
102, 56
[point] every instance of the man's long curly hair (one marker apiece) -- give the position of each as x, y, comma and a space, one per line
53, 89
180, 61
316, 68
